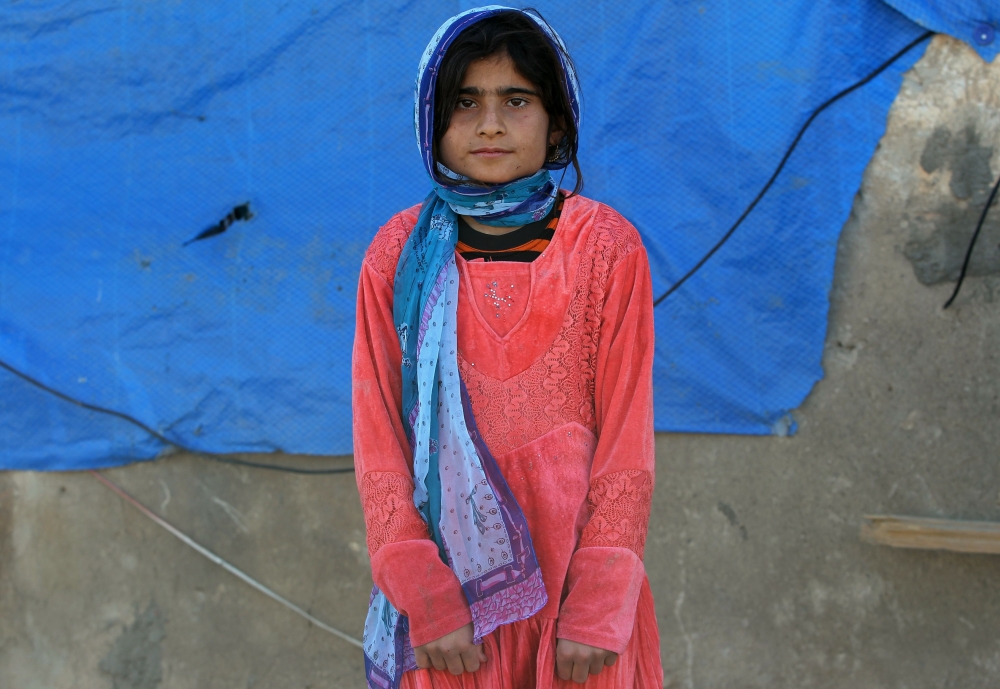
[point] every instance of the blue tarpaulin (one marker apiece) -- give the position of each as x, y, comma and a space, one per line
128, 128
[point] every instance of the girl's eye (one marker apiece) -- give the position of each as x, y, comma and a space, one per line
517, 102
465, 103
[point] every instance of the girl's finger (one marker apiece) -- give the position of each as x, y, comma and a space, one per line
455, 664
470, 659
611, 659
581, 671
564, 668
438, 660
423, 660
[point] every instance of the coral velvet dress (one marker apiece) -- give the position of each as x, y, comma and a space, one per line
557, 357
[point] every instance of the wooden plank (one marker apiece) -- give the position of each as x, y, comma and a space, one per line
932, 534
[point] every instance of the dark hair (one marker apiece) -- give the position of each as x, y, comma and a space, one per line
534, 57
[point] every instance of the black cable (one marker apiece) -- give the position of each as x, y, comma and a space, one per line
704, 259
225, 459
972, 244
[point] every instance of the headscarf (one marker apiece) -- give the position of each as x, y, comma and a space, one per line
472, 516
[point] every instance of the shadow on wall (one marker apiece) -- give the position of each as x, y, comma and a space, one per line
941, 227
134, 662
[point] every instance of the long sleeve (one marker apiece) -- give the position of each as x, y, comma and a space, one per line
606, 571
405, 562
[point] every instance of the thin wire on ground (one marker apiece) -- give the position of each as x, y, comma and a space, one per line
222, 563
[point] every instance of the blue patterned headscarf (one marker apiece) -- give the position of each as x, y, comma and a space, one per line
479, 528
472, 199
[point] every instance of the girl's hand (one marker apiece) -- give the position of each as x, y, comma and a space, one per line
453, 652
578, 661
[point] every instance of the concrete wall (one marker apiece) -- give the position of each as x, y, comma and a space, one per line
754, 557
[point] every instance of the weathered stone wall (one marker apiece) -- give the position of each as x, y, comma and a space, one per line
754, 557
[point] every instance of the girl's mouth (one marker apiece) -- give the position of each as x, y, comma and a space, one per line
490, 152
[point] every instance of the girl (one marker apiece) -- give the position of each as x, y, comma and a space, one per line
502, 391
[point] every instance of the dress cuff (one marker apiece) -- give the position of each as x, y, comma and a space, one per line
422, 587
604, 585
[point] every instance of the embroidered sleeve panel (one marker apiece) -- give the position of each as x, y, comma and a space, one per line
614, 238
384, 251
390, 515
558, 388
619, 511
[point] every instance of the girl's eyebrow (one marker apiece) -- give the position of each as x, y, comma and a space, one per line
501, 91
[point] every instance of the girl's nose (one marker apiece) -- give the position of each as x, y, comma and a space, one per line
491, 123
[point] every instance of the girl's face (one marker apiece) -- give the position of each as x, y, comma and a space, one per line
499, 130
